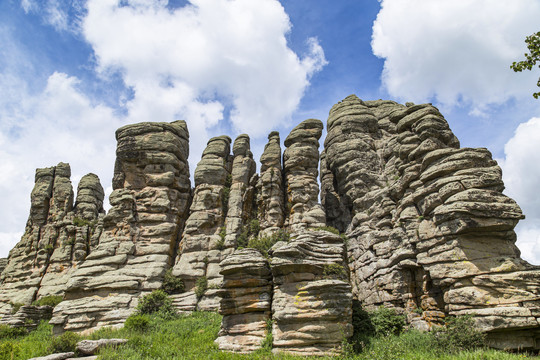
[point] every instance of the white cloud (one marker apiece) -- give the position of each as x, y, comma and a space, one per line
521, 171
455, 51
196, 61
53, 12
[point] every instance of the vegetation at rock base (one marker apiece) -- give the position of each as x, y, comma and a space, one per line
533, 44
67, 342
192, 337
157, 301
171, 284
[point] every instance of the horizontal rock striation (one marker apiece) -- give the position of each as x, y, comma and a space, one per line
246, 299
312, 300
140, 233
429, 227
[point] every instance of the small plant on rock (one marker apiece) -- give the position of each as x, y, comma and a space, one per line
171, 284
200, 286
15, 307
334, 271
48, 301
263, 244
156, 301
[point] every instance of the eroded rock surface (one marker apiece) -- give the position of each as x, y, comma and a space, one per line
246, 297
312, 300
140, 233
429, 227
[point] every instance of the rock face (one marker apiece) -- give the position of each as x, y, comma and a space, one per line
55, 239
201, 247
430, 233
301, 161
270, 198
140, 233
246, 297
428, 224
28, 316
312, 302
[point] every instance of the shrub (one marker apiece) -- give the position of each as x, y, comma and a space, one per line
268, 341
458, 335
48, 301
8, 332
156, 301
264, 244
220, 244
67, 342
200, 286
225, 195
363, 328
334, 271
137, 322
171, 284
9, 350
250, 230
15, 307
387, 321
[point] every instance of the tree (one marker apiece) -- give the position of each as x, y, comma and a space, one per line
533, 43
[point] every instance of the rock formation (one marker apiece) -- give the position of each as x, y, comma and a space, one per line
312, 301
246, 297
300, 162
429, 227
28, 317
430, 233
140, 232
54, 241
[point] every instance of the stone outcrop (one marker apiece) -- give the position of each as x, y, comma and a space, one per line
150, 200
55, 239
199, 253
270, 198
246, 297
430, 230
300, 163
28, 317
312, 301
430, 233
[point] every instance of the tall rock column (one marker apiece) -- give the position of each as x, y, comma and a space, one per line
270, 198
140, 233
241, 195
199, 253
300, 164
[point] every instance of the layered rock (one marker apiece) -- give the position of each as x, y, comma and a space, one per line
200, 250
245, 303
270, 199
140, 234
429, 227
312, 300
53, 242
28, 317
242, 192
300, 164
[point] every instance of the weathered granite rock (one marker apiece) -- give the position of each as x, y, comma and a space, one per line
242, 192
59, 356
270, 195
52, 244
312, 300
201, 249
28, 316
300, 165
429, 227
3, 264
246, 297
90, 347
149, 202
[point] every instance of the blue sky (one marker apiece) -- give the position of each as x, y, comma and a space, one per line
72, 71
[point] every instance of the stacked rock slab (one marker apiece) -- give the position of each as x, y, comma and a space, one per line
270, 199
241, 194
52, 244
429, 227
312, 300
246, 296
200, 252
300, 164
28, 317
149, 202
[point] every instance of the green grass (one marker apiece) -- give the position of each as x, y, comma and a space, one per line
192, 337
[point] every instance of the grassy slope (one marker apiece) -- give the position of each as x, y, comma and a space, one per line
192, 337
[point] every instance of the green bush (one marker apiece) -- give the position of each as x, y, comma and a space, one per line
334, 271
250, 230
9, 350
387, 321
171, 284
363, 329
8, 332
137, 322
263, 244
459, 334
15, 307
48, 301
268, 341
200, 286
156, 301
67, 342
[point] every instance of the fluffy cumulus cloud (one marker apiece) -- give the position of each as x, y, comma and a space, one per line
521, 171
455, 51
203, 60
